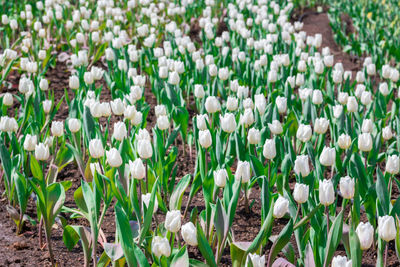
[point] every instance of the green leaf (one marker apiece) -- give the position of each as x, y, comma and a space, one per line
36, 169
355, 249
175, 200
220, 222
149, 214
238, 253
308, 217
264, 231
181, 259
125, 234
204, 247
70, 237
54, 201
281, 241
334, 237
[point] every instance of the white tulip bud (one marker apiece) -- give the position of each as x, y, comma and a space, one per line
343, 97
243, 91
341, 261
383, 88
160, 246
199, 91
137, 169
394, 75
146, 201
220, 177
74, 125
223, 74
160, 110
74, 82
317, 98
392, 164
328, 156
114, 158
173, 221
352, 105
281, 103
281, 207
243, 171
321, 125
269, 149
346, 186
366, 98
365, 233
367, 126
42, 152
275, 127
8, 124
57, 128
261, 104
202, 120
387, 228
143, 134
130, 112
117, 106
88, 78
109, 53
44, 84
212, 104
232, 103
96, 148
189, 233
173, 78
247, 118
30, 142
304, 133
254, 136
360, 77
8, 99
47, 106
205, 139
163, 122
365, 142
228, 122
326, 192
371, 69
387, 133
344, 141
120, 131
300, 193
256, 260
144, 148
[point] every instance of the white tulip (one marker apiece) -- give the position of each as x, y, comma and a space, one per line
228, 122
254, 136
42, 152
57, 128
281, 207
160, 246
114, 158
144, 148
120, 132
96, 148
74, 125
281, 103
256, 260
304, 133
341, 261
300, 193
344, 141
275, 127
365, 142
321, 125
30, 142
8, 99
146, 202
205, 138
220, 177
137, 169
199, 91
173, 221
301, 165
387, 133
352, 105
212, 104
232, 103
328, 156
387, 228
202, 120
365, 233
326, 192
243, 171
247, 118
392, 164
269, 149
163, 122
189, 233
346, 186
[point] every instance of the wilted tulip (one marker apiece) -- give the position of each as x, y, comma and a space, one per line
386, 228
96, 148
42, 152
281, 207
365, 233
346, 186
173, 221
243, 171
326, 192
189, 233
300, 193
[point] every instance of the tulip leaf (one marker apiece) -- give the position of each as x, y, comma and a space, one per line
175, 200
149, 214
220, 222
181, 259
308, 217
238, 253
334, 237
36, 169
281, 241
281, 262
125, 234
382, 191
204, 247
355, 249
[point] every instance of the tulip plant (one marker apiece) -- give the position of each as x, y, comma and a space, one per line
266, 115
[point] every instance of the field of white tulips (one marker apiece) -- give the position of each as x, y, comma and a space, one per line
199, 133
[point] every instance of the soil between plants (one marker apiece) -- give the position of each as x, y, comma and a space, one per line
23, 250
